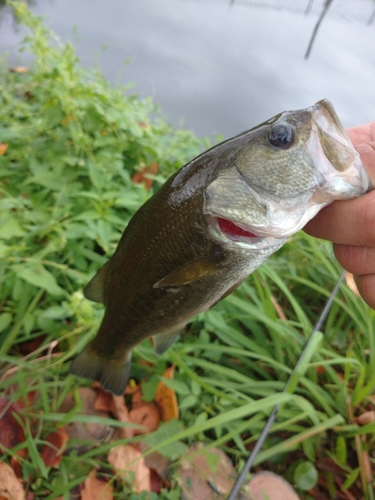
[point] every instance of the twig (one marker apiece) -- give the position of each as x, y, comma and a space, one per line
324, 12
271, 419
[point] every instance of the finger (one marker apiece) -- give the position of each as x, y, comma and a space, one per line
366, 287
367, 154
363, 138
349, 222
362, 133
356, 260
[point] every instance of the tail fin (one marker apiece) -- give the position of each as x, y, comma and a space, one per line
112, 374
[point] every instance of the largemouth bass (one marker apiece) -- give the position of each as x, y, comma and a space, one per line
209, 226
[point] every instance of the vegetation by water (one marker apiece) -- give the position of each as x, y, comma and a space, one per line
77, 159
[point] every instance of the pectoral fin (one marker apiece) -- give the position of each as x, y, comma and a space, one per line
94, 290
163, 341
192, 271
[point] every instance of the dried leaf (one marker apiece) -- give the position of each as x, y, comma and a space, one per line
80, 430
3, 148
147, 415
278, 308
137, 400
166, 398
366, 418
31, 345
96, 489
10, 487
121, 413
52, 454
130, 465
205, 473
271, 486
11, 432
16, 464
349, 278
141, 176
103, 401
19, 69
156, 483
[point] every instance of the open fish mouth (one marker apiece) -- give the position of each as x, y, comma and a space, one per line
235, 231
240, 234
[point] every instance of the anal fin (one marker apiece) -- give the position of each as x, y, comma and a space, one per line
163, 341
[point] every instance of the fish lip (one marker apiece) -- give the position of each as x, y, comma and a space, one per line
328, 107
346, 166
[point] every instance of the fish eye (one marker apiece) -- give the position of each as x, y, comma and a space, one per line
281, 136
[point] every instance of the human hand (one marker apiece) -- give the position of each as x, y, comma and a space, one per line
350, 224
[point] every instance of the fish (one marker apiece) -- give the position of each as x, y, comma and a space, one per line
209, 226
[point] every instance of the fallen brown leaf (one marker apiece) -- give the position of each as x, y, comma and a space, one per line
154, 460
349, 278
205, 473
52, 453
121, 412
3, 148
19, 69
166, 398
10, 487
130, 466
278, 308
366, 462
81, 430
156, 483
96, 489
366, 418
11, 432
103, 401
147, 415
141, 176
271, 486
137, 399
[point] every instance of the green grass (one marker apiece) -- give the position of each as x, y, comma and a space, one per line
66, 194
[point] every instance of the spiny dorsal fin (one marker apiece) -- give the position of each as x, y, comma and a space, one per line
163, 341
94, 290
192, 271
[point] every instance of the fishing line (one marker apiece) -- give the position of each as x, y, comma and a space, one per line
271, 419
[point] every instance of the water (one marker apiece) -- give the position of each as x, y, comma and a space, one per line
215, 67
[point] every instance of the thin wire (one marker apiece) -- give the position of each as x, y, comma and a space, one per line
237, 485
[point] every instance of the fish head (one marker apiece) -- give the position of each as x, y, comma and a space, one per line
284, 172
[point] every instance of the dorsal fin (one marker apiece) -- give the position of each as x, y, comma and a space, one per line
192, 271
94, 290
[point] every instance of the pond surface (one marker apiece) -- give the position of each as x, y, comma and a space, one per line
216, 67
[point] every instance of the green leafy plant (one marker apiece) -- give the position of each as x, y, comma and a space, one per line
70, 147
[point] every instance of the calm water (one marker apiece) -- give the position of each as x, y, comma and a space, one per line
216, 67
